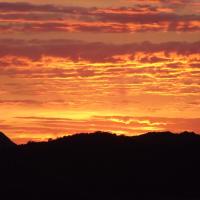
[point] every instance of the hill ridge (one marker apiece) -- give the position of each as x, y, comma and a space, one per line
5, 141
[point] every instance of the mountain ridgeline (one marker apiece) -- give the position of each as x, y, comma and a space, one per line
102, 166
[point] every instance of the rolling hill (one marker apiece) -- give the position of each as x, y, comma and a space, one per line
104, 166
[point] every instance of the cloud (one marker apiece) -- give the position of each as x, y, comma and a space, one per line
159, 69
95, 52
138, 18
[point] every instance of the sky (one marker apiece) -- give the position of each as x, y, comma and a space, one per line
123, 66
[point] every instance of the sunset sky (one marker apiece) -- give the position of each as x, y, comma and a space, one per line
125, 66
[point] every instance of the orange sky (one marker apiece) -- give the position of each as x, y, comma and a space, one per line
123, 66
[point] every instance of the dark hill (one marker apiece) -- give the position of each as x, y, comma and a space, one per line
5, 141
104, 166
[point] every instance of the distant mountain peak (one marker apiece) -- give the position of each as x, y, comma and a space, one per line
5, 141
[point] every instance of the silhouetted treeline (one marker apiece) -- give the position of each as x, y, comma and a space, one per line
162, 166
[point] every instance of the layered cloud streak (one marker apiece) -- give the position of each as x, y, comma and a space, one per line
27, 17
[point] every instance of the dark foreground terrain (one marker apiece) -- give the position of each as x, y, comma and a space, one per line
102, 166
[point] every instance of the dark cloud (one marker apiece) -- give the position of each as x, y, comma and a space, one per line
41, 18
96, 52
29, 7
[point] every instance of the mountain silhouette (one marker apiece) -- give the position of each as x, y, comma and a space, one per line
104, 166
5, 141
